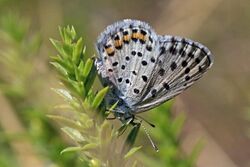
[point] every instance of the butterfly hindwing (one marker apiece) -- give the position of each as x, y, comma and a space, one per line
180, 63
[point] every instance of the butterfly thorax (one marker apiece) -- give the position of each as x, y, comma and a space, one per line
123, 114
122, 111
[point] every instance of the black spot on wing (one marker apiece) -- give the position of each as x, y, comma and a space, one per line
144, 78
162, 50
173, 66
152, 59
136, 91
149, 48
144, 63
115, 64
133, 52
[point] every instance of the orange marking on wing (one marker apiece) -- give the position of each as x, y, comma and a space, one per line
109, 50
126, 37
142, 37
118, 43
135, 35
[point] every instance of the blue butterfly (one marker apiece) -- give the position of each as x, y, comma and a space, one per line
144, 69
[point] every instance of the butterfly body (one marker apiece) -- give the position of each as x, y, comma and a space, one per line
144, 69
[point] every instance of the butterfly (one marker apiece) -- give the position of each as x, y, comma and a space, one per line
144, 69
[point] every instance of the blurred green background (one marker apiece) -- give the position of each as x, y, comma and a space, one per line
217, 108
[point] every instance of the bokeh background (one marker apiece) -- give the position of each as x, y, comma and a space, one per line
217, 107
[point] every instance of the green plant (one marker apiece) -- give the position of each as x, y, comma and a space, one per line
18, 59
85, 118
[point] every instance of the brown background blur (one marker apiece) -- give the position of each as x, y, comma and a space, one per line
217, 105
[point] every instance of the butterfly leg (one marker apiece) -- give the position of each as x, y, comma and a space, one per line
142, 119
124, 126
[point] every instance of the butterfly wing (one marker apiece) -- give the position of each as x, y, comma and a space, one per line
180, 62
144, 69
126, 58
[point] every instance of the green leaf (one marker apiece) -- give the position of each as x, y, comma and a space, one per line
60, 68
90, 146
114, 106
63, 93
90, 79
87, 68
59, 47
67, 122
77, 51
99, 97
61, 31
79, 88
77, 74
105, 133
132, 151
68, 83
73, 32
111, 108
65, 64
68, 49
71, 149
73, 134
66, 35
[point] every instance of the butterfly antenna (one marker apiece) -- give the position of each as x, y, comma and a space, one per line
152, 125
150, 139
